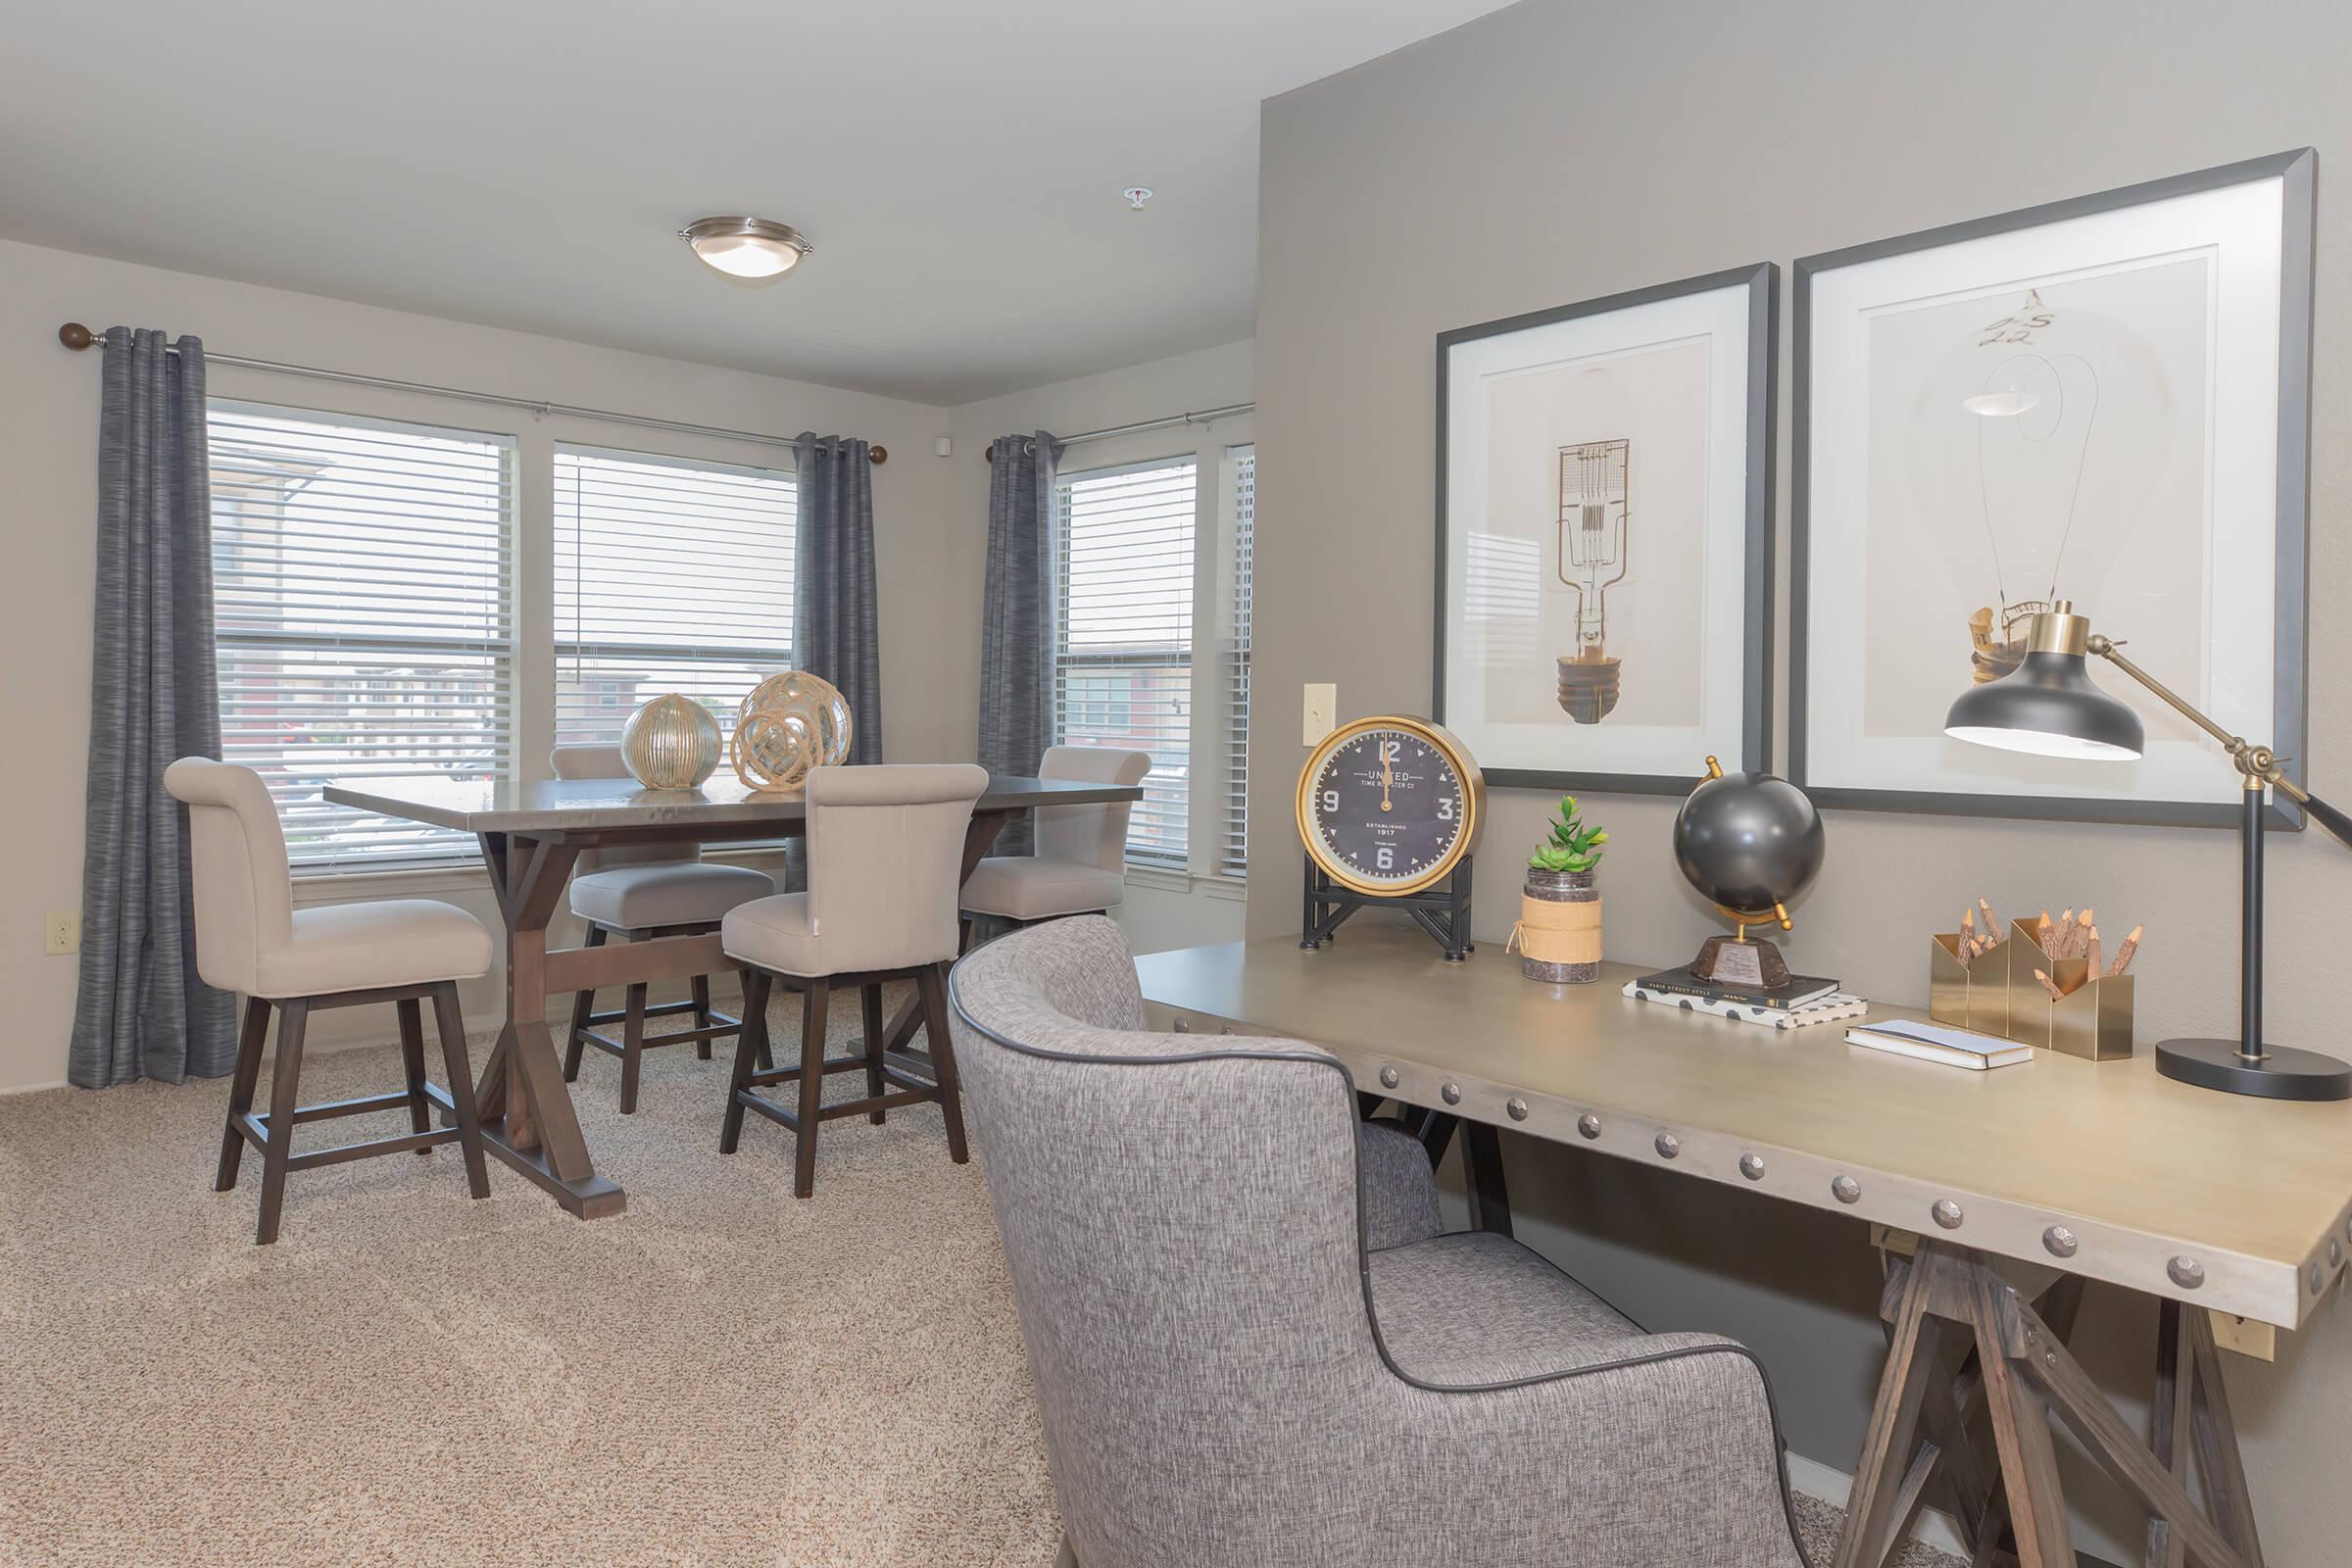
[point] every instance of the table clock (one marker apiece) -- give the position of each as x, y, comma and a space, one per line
1389, 810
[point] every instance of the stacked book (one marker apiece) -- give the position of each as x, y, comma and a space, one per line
1804, 1000
1940, 1042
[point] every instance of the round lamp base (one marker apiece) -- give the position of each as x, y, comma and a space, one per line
2282, 1073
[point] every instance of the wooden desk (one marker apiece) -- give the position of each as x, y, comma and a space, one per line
2098, 1171
531, 833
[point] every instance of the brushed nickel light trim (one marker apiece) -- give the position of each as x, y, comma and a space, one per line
750, 249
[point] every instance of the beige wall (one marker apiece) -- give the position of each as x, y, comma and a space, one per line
48, 450
1555, 151
1161, 910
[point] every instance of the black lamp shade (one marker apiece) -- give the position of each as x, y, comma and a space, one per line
2048, 706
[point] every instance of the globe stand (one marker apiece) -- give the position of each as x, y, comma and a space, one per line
1740, 961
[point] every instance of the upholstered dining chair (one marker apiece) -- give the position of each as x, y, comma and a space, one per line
1253, 1346
1080, 866
885, 849
658, 890
251, 940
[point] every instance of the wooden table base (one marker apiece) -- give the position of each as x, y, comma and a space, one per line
2017, 1374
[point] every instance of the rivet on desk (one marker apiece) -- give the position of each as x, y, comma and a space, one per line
1517, 1107
2185, 1272
1948, 1213
1847, 1190
1388, 1077
1752, 1166
1589, 1125
1668, 1146
2060, 1241
1451, 1093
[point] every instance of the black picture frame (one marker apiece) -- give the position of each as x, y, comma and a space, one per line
2290, 681
1762, 282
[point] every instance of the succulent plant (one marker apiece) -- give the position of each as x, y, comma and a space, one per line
1573, 846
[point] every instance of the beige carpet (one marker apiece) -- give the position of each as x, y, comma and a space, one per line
720, 1376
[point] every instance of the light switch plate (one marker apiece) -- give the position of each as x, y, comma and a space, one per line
1322, 709
60, 932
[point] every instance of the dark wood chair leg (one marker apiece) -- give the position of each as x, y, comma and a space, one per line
450, 1024
768, 1053
286, 1079
412, 1058
812, 1087
240, 1091
751, 1045
869, 999
702, 1014
632, 1047
582, 1005
931, 982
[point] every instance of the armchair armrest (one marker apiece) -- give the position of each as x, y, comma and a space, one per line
1401, 1191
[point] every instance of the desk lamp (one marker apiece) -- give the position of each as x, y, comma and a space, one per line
2048, 706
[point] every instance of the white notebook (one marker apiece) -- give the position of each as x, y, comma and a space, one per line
1940, 1042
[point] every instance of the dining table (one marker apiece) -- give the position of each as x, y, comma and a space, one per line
531, 832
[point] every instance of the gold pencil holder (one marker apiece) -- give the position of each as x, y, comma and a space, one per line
1997, 995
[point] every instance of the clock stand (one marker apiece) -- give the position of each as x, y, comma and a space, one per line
1443, 911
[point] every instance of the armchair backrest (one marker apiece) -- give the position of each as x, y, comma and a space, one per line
242, 888
885, 858
1180, 1218
1093, 835
584, 760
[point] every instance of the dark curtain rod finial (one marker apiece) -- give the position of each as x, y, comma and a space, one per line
76, 337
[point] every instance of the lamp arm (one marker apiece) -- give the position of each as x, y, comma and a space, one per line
2258, 764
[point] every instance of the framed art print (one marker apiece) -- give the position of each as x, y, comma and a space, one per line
1604, 536
2104, 401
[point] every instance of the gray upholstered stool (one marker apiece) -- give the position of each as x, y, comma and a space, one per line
251, 939
885, 848
1080, 866
655, 890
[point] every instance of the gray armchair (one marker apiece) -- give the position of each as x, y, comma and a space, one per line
1251, 1346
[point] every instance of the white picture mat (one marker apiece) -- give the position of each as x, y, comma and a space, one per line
1718, 318
2241, 228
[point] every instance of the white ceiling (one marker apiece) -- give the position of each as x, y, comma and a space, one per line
527, 164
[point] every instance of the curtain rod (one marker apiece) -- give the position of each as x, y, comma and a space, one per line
1204, 416
79, 337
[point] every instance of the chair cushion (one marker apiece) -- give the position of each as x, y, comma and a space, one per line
1401, 1192
1474, 1307
666, 893
773, 933
1021, 887
358, 947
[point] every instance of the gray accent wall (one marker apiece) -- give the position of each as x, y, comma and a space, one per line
1554, 152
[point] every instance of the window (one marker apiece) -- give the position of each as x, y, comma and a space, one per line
1233, 847
364, 617
1123, 634
670, 576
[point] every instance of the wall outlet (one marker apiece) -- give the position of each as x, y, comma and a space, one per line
60, 932
1322, 709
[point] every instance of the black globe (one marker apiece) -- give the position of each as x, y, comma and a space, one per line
1748, 841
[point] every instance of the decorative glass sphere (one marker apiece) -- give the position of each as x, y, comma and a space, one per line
1748, 841
816, 699
671, 743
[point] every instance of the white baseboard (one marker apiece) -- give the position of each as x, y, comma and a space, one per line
30, 1089
1813, 1479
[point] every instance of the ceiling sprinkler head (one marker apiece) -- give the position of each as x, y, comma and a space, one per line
1136, 196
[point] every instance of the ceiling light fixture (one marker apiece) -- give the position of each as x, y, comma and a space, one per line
748, 248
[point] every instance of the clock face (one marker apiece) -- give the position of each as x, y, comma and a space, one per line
1386, 808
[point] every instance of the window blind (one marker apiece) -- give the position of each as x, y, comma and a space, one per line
1123, 634
364, 617
670, 576
1233, 846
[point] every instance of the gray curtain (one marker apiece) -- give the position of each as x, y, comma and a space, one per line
1016, 616
140, 1011
836, 632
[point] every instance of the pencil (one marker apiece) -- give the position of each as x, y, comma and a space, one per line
2042, 932
2123, 955
2093, 971
2056, 994
1992, 921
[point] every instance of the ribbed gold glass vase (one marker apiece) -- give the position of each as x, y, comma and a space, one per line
671, 743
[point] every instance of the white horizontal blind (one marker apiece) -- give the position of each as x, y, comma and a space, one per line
1233, 847
1123, 634
364, 617
670, 576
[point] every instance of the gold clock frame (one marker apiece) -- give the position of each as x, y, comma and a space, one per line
1465, 767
